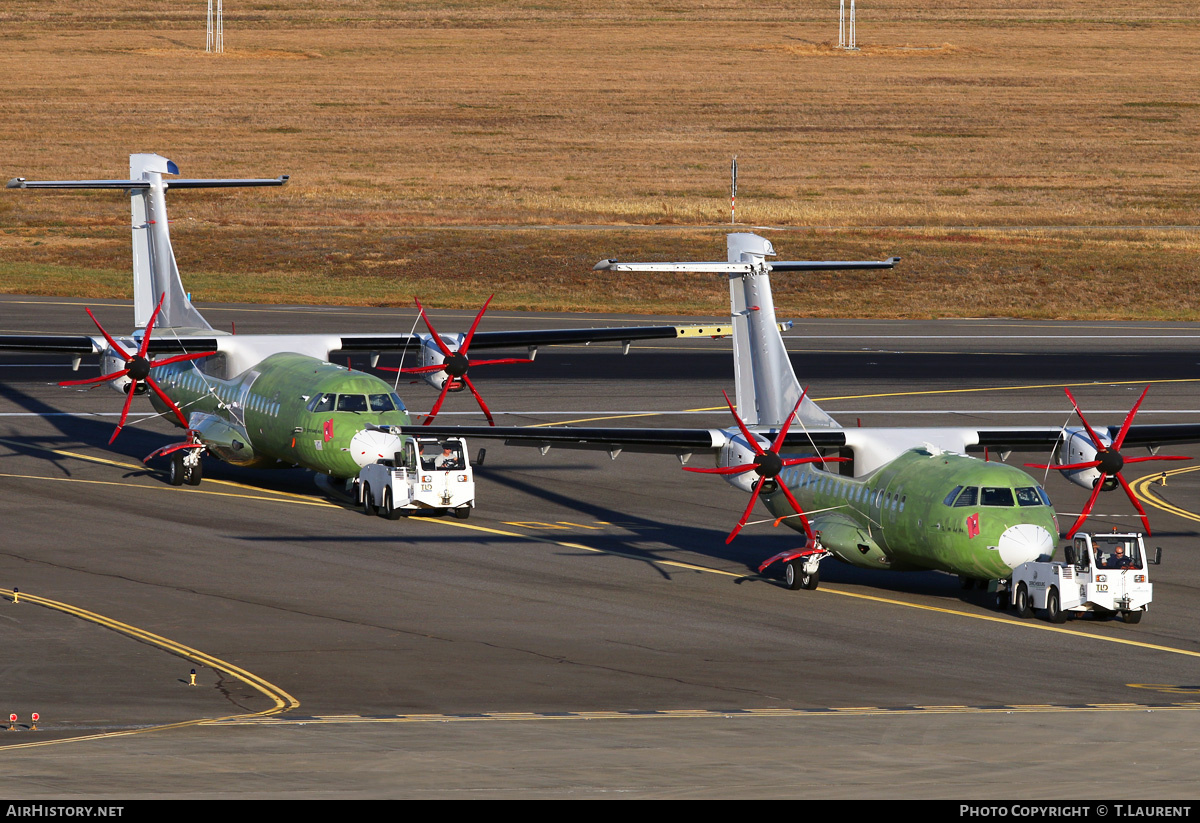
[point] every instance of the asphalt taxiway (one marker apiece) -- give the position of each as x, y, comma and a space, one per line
587, 632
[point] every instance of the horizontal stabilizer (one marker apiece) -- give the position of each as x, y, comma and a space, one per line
22, 183
738, 268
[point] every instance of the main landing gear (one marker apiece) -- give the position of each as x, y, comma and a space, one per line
801, 567
186, 467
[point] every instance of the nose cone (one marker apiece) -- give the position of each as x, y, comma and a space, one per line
1023, 543
369, 446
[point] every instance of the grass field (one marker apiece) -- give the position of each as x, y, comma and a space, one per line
428, 141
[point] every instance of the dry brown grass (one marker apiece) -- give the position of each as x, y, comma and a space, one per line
396, 117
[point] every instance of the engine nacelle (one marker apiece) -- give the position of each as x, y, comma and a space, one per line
431, 355
738, 452
111, 362
1077, 447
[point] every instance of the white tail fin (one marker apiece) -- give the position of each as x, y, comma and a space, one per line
767, 388
155, 273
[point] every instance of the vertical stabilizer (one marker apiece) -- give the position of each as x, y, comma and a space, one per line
155, 273
767, 388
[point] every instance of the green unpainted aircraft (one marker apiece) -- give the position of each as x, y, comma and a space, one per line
273, 400
881, 498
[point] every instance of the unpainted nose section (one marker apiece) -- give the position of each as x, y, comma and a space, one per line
1024, 543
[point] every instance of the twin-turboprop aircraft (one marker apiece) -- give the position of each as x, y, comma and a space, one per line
893, 498
890, 498
268, 400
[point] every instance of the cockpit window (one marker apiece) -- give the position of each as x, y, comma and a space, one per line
352, 403
996, 496
381, 402
322, 403
969, 497
1029, 497
950, 497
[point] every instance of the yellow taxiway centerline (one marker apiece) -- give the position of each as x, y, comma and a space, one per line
282, 700
883, 394
832, 591
1141, 487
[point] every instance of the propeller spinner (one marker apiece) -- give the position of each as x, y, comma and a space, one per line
767, 464
137, 368
1109, 462
456, 363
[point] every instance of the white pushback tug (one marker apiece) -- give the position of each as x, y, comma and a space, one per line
1103, 573
428, 475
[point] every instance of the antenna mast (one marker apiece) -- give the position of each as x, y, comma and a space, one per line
215, 43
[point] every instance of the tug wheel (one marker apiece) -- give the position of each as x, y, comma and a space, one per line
389, 508
1022, 601
1054, 612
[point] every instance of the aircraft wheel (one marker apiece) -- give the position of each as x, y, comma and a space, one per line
194, 473
1022, 601
389, 508
368, 505
1054, 612
792, 574
462, 512
177, 473
1132, 617
810, 581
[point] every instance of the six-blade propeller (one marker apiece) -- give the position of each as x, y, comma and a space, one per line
456, 364
1109, 461
767, 464
137, 367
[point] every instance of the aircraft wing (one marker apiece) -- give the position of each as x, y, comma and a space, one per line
51, 343
95, 344
162, 343
1045, 437
541, 337
656, 441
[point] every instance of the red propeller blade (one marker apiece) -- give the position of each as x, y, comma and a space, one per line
486, 412
1088, 508
466, 344
100, 379
746, 514
437, 338
139, 365
457, 370
438, 405
1115, 449
768, 469
124, 411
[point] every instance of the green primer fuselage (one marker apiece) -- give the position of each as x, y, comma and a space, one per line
260, 418
898, 517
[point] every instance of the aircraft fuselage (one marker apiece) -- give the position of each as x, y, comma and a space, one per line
926, 510
288, 410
